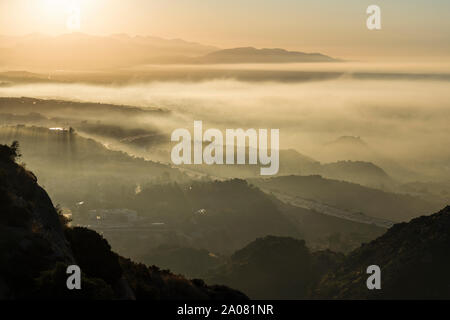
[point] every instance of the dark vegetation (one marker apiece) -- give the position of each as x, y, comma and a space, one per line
414, 259
217, 216
35, 250
93, 254
192, 262
275, 268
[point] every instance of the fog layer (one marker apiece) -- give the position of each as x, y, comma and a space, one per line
403, 120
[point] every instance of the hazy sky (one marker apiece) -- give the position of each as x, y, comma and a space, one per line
409, 27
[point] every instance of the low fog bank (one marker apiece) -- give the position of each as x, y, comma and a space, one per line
440, 67
404, 121
247, 72
401, 126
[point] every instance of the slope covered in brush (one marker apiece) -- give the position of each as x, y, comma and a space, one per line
414, 259
36, 247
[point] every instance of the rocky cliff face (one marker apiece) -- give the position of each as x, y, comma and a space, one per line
36, 247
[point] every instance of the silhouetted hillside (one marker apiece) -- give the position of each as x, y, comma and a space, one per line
361, 172
294, 163
220, 217
191, 262
31, 237
365, 173
36, 247
359, 150
276, 268
414, 259
192, 241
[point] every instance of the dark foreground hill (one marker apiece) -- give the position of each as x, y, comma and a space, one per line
276, 268
36, 247
414, 259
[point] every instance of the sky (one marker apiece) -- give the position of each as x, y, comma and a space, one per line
336, 27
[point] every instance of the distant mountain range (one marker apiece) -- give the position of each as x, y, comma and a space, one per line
253, 55
82, 51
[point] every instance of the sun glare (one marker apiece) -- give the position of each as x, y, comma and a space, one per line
70, 10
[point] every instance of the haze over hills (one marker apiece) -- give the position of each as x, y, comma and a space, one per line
138, 158
294, 163
144, 138
253, 55
76, 169
179, 219
84, 176
357, 149
352, 197
146, 134
37, 245
78, 51
83, 51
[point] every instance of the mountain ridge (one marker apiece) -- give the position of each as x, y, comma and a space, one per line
94, 52
264, 55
